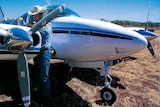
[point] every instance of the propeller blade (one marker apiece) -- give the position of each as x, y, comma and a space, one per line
150, 48
23, 76
53, 14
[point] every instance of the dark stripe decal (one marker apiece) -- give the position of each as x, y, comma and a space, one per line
7, 52
93, 34
110, 36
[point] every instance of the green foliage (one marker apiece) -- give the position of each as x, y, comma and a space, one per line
136, 24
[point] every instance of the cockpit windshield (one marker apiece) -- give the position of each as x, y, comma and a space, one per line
66, 12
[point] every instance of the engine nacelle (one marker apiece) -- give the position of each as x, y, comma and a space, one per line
16, 44
36, 39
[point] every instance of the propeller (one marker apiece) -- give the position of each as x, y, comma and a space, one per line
18, 41
53, 14
149, 35
23, 76
22, 64
150, 48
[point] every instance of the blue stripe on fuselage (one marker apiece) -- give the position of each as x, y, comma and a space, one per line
91, 32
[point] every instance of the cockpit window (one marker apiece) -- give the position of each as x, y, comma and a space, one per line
66, 12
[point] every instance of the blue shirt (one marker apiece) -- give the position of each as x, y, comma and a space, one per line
46, 32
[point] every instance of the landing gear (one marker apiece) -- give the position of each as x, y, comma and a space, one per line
107, 94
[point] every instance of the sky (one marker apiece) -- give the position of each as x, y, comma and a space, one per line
132, 10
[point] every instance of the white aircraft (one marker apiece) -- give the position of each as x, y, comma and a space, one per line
148, 34
80, 42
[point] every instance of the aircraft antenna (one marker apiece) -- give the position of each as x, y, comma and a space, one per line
149, 6
48, 2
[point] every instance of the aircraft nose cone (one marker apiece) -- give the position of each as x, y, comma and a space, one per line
144, 42
140, 42
135, 45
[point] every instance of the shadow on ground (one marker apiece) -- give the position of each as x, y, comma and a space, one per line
60, 74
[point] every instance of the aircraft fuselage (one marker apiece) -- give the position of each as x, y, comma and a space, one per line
78, 39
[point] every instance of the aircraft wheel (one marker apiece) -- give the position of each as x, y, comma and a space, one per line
108, 95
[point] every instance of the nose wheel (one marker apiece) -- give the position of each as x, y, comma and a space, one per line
107, 95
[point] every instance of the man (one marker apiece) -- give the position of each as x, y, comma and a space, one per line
20, 21
42, 60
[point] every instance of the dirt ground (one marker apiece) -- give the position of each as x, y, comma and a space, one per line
137, 83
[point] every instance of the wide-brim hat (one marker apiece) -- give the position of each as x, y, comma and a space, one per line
37, 9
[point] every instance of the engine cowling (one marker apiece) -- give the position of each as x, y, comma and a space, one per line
19, 40
36, 39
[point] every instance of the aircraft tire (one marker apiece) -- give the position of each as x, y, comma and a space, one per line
108, 96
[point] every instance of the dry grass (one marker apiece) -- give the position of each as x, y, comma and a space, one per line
80, 88
140, 77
